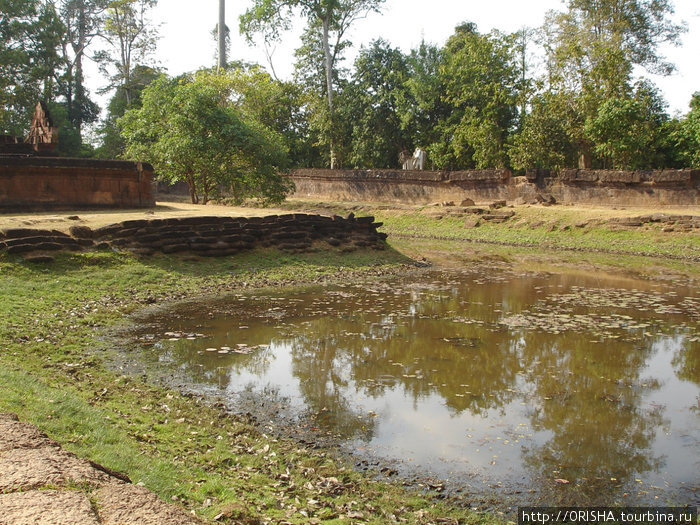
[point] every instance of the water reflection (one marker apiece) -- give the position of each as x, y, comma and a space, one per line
551, 389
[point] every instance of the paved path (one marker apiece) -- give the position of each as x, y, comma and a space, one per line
42, 484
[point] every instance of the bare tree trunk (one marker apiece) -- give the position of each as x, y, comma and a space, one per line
222, 35
193, 190
329, 85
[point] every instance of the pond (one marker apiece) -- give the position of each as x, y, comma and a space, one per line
516, 388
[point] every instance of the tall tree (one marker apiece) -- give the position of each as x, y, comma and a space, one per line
131, 39
593, 47
481, 77
376, 94
686, 135
277, 105
30, 61
112, 144
424, 108
629, 132
83, 20
331, 18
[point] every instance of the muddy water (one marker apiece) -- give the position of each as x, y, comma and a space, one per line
580, 389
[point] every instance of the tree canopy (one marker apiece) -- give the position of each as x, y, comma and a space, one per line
190, 130
474, 102
328, 18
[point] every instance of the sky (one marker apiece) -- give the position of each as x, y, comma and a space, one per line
186, 42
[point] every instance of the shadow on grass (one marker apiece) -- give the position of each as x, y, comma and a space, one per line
260, 260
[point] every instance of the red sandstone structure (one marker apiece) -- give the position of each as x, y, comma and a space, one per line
581, 186
38, 183
43, 135
30, 178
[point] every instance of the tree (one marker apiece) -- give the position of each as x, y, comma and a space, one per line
543, 140
276, 105
424, 107
480, 75
190, 131
83, 20
330, 18
131, 39
377, 92
686, 135
113, 145
310, 77
593, 47
628, 133
30, 62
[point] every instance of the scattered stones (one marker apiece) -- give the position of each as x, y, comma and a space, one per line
468, 202
498, 217
545, 200
497, 205
668, 223
472, 222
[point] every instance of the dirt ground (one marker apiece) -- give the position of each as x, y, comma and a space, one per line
42, 484
63, 220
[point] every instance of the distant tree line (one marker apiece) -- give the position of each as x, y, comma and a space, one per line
475, 102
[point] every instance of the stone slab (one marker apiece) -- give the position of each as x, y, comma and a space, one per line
136, 505
46, 507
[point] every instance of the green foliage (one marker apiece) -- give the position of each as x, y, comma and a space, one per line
543, 141
480, 74
627, 132
113, 145
70, 143
190, 130
592, 49
423, 107
375, 96
30, 38
276, 105
686, 135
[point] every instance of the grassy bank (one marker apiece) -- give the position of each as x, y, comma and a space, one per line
221, 467
224, 468
584, 229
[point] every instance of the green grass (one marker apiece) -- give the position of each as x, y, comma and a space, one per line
55, 316
557, 229
52, 375
600, 238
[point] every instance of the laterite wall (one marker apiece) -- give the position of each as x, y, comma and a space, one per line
667, 187
39, 183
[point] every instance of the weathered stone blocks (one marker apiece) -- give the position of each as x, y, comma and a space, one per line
207, 236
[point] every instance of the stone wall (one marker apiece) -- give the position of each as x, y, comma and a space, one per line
51, 183
667, 187
206, 236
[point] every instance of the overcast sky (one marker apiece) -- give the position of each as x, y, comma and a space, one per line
186, 42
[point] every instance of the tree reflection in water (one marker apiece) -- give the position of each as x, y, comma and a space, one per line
581, 391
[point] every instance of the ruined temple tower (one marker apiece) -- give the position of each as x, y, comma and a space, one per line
43, 135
